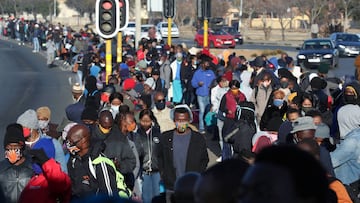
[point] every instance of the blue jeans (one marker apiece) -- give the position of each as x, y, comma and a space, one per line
150, 186
203, 101
36, 44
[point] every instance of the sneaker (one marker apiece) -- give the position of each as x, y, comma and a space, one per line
219, 159
34, 51
57, 58
203, 132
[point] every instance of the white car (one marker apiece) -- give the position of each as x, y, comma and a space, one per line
130, 29
163, 29
145, 32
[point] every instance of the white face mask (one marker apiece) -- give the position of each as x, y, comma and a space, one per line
102, 65
160, 62
43, 124
114, 110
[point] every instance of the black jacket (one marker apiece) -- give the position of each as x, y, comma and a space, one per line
197, 157
116, 147
146, 144
83, 182
13, 179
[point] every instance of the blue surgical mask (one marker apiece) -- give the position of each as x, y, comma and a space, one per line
278, 102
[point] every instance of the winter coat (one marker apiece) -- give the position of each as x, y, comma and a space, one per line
116, 147
50, 186
260, 97
147, 146
197, 157
13, 179
82, 179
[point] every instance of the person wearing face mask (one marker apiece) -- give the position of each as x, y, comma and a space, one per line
15, 169
307, 103
348, 115
217, 93
115, 101
176, 91
147, 142
45, 126
261, 94
165, 71
228, 105
276, 109
117, 147
181, 150
30, 123
201, 81
162, 113
83, 151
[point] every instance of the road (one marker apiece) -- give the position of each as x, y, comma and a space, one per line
28, 83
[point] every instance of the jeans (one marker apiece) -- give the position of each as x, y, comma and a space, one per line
203, 101
150, 186
36, 44
220, 125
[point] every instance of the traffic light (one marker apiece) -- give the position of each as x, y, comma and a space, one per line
169, 8
203, 9
124, 14
107, 15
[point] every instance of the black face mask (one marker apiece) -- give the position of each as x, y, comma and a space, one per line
284, 85
350, 99
160, 105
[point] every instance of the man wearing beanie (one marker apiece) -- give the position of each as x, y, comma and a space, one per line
15, 169
30, 124
44, 118
49, 183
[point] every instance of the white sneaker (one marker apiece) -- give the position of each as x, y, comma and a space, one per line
57, 58
34, 51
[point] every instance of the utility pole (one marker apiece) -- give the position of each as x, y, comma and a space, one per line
55, 8
240, 14
137, 22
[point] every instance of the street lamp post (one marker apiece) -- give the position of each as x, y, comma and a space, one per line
240, 14
54, 8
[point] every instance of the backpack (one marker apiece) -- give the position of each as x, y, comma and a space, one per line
124, 191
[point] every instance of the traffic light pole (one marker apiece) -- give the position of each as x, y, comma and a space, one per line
169, 31
119, 48
206, 32
108, 60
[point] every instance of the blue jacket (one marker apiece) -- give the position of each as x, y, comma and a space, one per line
205, 76
345, 158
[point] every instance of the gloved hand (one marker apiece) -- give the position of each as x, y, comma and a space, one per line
38, 156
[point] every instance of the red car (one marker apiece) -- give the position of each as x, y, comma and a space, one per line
216, 39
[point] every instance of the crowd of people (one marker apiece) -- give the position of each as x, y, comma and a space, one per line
142, 135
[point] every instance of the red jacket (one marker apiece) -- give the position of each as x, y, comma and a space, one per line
49, 186
232, 101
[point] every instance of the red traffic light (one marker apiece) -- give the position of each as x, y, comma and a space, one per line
107, 5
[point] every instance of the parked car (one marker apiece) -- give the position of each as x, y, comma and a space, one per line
145, 32
130, 29
316, 51
216, 39
163, 29
233, 31
347, 44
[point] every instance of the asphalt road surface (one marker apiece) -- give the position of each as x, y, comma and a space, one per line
27, 83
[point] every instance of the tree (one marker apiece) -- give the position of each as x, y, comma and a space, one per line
348, 8
311, 8
83, 6
185, 10
282, 9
